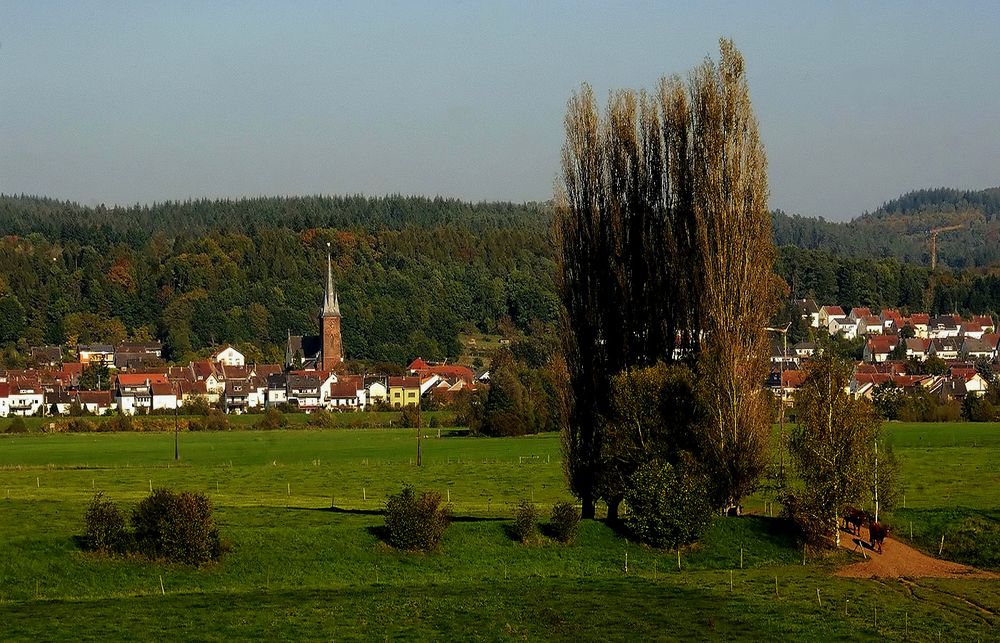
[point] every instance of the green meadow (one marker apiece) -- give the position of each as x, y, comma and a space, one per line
301, 511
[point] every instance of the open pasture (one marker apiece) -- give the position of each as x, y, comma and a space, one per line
299, 508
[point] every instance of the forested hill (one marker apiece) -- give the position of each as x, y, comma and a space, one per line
411, 272
899, 229
22, 215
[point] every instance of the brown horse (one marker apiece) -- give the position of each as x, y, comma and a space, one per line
876, 534
853, 519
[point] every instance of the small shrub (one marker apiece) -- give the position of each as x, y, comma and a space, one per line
105, 526
216, 421
416, 523
409, 417
810, 520
177, 526
273, 419
565, 522
196, 405
668, 505
17, 425
77, 425
434, 422
526, 522
118, 423
321, 418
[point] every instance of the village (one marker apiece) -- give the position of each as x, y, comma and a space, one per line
138, 382
945, 356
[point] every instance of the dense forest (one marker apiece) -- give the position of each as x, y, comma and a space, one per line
899, 228
412, 272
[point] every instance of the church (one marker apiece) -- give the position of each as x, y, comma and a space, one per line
323, 352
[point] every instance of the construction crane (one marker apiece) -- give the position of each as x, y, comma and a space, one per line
933, 234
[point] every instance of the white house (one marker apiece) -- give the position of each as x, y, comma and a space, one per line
229, 356
844, 326
376, 390
23, 399
826, 313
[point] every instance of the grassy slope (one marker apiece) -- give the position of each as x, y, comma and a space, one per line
300, 570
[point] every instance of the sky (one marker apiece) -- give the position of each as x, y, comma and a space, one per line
136, 102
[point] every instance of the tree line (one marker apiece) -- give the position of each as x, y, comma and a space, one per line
412, 274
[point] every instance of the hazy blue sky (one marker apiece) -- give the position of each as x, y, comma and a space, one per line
134, 102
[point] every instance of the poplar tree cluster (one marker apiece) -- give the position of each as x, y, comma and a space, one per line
665, 254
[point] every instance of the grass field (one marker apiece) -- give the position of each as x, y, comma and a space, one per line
300, 506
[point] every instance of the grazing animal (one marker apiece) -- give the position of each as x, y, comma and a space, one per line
876, 534
853, 519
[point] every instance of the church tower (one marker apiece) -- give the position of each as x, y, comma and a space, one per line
329, 323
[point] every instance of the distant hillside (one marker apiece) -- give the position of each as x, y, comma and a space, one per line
899, 228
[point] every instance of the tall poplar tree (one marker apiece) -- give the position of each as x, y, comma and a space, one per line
664, 242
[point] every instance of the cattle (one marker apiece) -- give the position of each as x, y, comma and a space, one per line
876, 534
853, 519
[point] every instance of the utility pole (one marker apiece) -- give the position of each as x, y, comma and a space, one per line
177, 455
418, 428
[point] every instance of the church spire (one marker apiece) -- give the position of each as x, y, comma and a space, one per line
331, 303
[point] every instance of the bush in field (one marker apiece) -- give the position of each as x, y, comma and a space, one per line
197, 405
177, 526
564, 523
105, 526
321, 418
808, 519
273, 419
414, 522
526, 522
118, 423
17, 425
216, 421
668, 505
409, 417
78, 425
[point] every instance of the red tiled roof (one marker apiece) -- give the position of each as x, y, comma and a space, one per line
404, 382
919, 319
882, 343
453, 372
859, 312
792, 379
834, 311
203, 368
4, 390
418, 365
95, 397
344, 390
138, 379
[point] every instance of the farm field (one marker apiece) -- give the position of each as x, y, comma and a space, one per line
300, 508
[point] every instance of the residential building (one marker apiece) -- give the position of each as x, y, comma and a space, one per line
404, 391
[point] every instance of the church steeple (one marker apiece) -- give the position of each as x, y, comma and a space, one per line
331, 303
332, 355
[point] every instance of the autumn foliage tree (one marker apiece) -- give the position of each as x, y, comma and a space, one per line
833, 445
664, 243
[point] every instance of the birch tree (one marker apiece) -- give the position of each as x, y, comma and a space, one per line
832, 444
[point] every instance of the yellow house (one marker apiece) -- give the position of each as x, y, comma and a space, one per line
404, 391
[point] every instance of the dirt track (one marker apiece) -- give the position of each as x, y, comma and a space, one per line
899, 560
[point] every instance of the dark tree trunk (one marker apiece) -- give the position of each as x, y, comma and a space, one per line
613, 506
589, 509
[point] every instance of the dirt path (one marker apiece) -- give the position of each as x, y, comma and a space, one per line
899, 560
